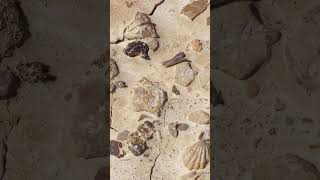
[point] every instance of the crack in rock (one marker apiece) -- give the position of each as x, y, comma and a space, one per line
154, 164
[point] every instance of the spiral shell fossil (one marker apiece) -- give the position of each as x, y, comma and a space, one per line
197, 156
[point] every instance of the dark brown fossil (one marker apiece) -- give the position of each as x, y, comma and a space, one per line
137, 48
116, 149
178, 58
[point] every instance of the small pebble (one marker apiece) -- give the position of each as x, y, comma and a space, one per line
199, 117
182, 126
196, 45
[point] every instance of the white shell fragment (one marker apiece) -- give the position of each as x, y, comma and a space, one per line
199, 117
197, 156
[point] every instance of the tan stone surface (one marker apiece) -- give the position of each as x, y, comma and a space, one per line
163, 159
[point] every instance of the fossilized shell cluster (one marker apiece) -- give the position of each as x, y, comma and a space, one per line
137, 140
197, 156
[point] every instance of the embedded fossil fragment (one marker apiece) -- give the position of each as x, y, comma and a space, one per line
140, 28
185, 74
114, 70
116, 149
199, 117
137, 140
146, 130
34, 72
178, 58
197, 156
182, 126
149, 98
9, 84
195, 8
137, 48
172, 128
136, 144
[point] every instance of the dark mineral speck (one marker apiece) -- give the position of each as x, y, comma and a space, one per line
137, 48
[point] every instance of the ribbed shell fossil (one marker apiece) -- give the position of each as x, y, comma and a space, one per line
197, 156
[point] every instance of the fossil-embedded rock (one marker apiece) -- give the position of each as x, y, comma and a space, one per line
116, 149
149, 98
136, 144
197, 156
137, 48
241, 46
9, 84
195, 8
199, 117
185, 74
13, 27
140, 28
286, 167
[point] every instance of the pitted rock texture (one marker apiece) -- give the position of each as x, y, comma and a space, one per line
13, 27
149, 98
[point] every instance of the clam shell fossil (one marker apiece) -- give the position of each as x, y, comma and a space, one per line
197, 156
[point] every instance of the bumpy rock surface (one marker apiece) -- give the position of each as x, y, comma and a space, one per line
9, 84
140, 28
149, 98
13, 27
185, 74
34, 72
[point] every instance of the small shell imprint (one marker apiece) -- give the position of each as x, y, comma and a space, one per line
197, 156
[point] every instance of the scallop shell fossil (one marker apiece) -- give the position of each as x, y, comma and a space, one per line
197, 156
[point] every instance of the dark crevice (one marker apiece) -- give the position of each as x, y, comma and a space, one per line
155, 7
154, 164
